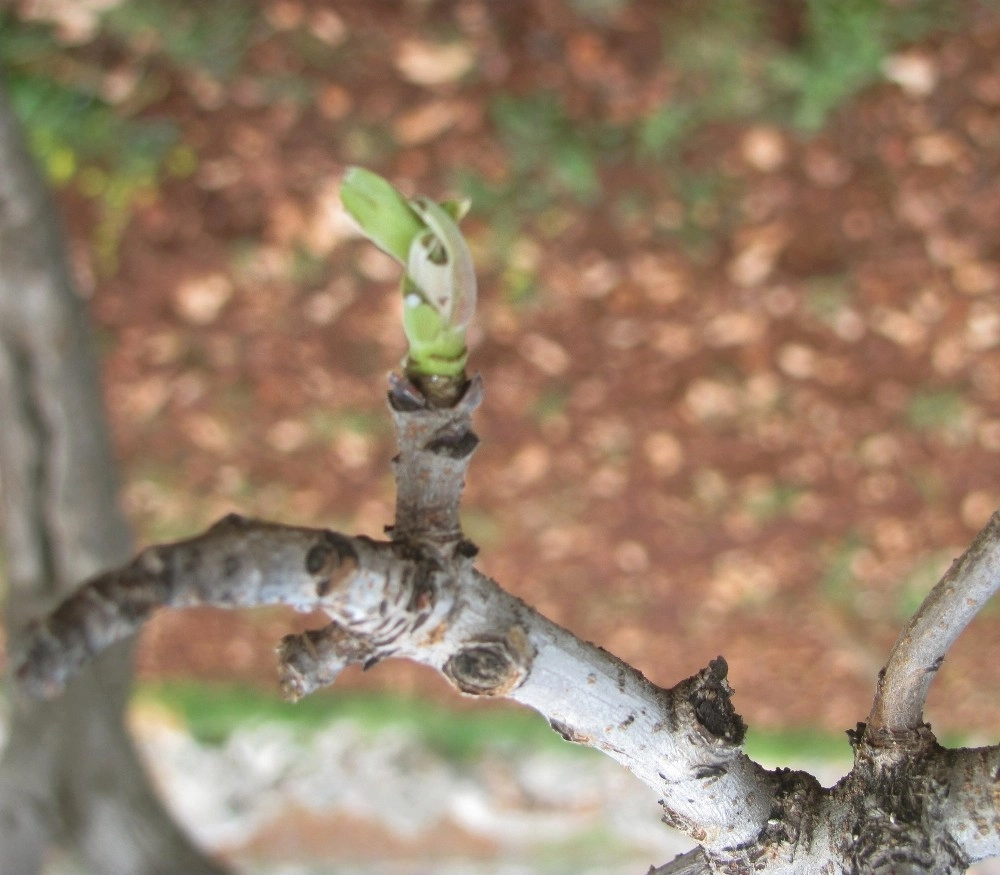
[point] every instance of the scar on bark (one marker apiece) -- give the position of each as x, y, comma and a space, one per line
491, 666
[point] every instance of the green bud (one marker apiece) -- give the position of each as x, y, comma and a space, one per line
439, 283
435, 347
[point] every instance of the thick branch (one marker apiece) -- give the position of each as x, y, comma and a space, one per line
928, 808
920, 650
236, 563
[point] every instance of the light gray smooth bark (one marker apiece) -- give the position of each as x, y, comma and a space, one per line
69, 775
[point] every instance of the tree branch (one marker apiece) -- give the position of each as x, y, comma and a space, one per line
389, 599
423, 599
921, 647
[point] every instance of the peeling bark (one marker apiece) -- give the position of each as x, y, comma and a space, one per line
69, 774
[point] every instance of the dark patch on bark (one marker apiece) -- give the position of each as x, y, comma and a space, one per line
316, 558
466, 549
191, 561
231, 521
404, 396
423, 591
681, 823
454, 446
710, 697
569, 733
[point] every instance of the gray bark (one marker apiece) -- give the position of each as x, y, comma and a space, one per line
69, 775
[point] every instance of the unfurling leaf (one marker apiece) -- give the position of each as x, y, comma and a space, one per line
439, 283
381, 212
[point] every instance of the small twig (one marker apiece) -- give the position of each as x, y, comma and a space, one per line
315, 658
920, 650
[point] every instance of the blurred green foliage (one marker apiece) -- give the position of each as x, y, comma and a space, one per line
838, 582
79, 138
212, 37
211, 712
937, 412
843, 46
790, 63
920, 580
111, 152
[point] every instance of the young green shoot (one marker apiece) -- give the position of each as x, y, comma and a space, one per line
438, 284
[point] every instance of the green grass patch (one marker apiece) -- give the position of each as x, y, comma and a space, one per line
915, 585
827, 296
787, 746
838, 581
547, 147
481, 527
775, 502
78, 138
328, 423
212, 712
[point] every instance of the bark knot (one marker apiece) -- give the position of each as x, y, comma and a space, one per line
491, 666
331, 561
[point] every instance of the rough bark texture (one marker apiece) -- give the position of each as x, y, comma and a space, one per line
69, 774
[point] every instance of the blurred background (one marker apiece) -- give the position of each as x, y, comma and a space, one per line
739, 279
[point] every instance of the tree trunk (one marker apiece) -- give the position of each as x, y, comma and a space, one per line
69, 775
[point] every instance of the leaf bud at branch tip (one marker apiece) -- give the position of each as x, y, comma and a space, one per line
439, 281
